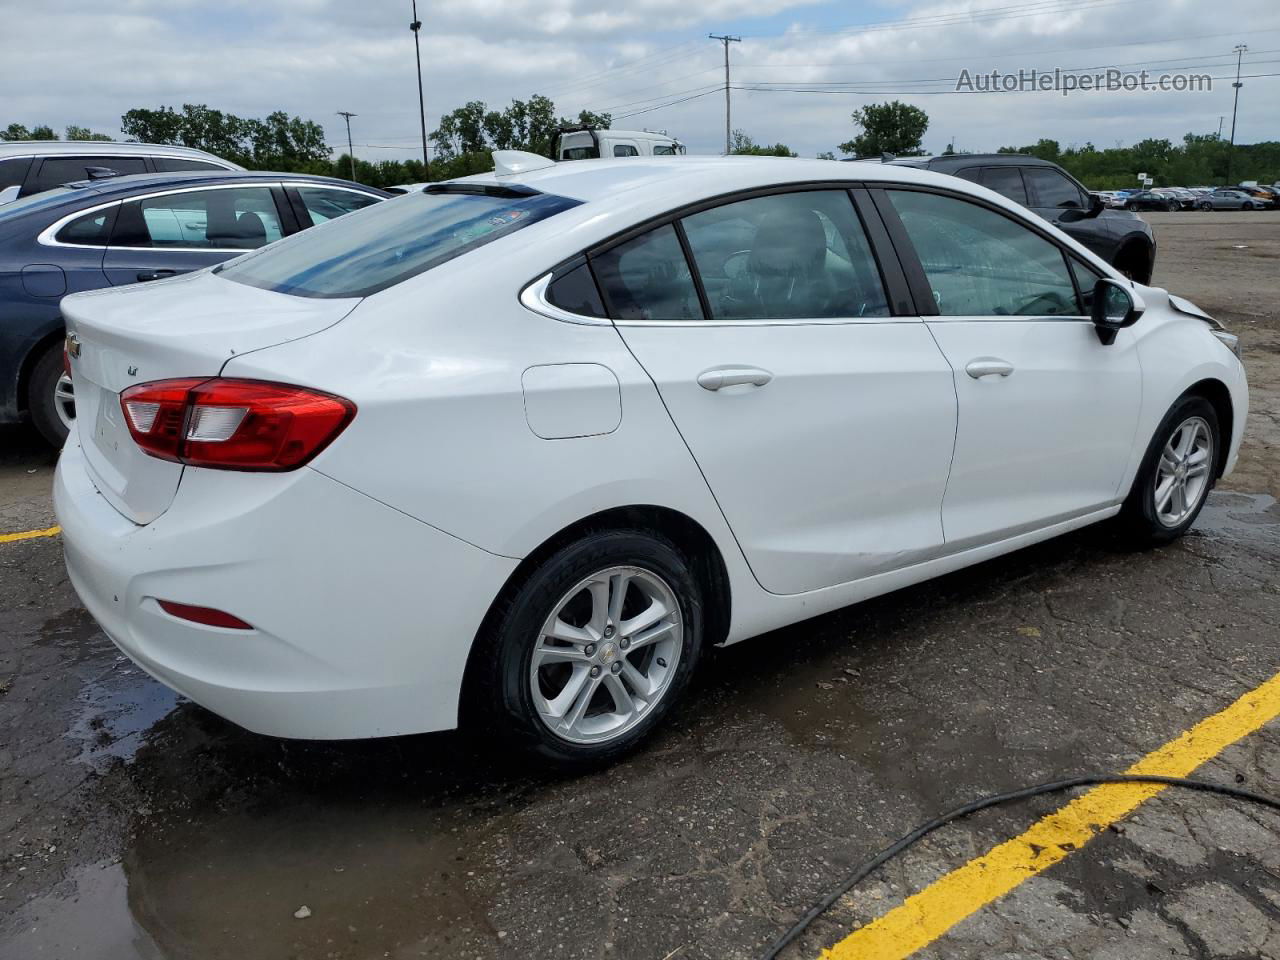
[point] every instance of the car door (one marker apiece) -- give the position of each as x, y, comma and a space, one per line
176, 231
822, 420
1047, 412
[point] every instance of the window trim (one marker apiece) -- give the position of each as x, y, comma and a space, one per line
46, 236
890, 272
915, 270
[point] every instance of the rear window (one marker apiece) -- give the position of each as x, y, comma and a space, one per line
382, 245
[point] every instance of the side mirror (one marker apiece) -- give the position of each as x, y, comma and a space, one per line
1113, 307
1096, 205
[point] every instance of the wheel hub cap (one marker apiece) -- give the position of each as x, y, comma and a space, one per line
1184, 472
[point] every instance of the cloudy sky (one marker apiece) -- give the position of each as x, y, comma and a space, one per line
804, 64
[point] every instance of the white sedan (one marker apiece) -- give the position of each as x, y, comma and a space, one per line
513, 451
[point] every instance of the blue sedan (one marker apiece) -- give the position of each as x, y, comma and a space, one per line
122, 230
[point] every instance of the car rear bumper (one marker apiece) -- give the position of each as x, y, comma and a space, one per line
363, 617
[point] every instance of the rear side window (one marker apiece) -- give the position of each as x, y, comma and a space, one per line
13, 171
55, 171
576, 292
625, 150
648, 278
579, 153
91, 229
180, 165
1006, 181
1049, 188
386, 243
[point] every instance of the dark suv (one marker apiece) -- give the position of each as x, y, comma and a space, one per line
1120, 238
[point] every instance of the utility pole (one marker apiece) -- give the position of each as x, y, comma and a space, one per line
415, 26
1240, 50
1220, 119
351, 153
726, 40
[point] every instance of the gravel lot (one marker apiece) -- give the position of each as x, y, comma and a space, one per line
133, 824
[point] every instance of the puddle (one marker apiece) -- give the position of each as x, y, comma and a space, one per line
115, 711
1254, 517
91, 922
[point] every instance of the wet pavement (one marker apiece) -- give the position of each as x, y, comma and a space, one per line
134, 824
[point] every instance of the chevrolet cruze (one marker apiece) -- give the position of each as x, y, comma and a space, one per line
513, 451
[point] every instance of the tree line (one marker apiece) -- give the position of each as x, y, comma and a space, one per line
467, 135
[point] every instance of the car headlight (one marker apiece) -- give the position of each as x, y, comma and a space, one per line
1231, 340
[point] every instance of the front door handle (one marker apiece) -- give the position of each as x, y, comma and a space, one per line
718, 377
155, 275
988, 367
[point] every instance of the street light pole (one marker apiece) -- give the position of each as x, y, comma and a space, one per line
415, 26
351, 153
726, 40
1240, 50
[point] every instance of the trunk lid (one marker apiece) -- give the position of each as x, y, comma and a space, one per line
185, 327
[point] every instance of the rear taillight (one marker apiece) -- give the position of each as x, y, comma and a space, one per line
233, 424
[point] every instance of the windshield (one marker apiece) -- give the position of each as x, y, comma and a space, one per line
374, 248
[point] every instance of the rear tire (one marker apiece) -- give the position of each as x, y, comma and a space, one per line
1177, 473
41, 396
1206, 206
593, 690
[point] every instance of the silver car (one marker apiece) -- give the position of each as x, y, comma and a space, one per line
1229, 200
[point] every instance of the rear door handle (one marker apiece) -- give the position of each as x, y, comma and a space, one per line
155, 275
718, 377
988, 367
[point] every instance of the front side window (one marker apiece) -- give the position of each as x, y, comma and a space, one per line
387, 243
1051, 189
981, 263
325, 203
648, 278
236, 218
1006, 181
55, 171
786, 256
1086, 279
663, 150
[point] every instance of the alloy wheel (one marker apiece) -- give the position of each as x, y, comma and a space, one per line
1182, 476
606, 655
64, 400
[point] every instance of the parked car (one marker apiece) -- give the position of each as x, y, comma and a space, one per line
520, 448
1265, 195
124, 230
1229, 198
1150, 200
29, 166
1185, 199
1125, 242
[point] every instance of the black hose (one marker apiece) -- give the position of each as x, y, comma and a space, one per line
864, 870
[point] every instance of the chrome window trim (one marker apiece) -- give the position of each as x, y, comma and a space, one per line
217, 161
534, 297
47, 235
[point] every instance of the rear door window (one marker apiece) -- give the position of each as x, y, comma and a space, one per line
181, 164
786, 256
648, 278
236, 218
387, 243
55, 171
1006, 181
91, 229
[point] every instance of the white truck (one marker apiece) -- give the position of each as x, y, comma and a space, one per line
587, 143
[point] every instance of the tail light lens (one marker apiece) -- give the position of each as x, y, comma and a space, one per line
233, 424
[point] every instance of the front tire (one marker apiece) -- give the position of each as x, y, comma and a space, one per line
44, 396
585, 657
1176, 475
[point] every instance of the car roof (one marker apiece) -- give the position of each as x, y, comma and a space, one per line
140, 182
103, 148
986, 159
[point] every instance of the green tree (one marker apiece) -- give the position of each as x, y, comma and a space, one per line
895, 127
17, 131
744, 145
84, 133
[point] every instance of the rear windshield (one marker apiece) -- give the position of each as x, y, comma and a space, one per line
374, 248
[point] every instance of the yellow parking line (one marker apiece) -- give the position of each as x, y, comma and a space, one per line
30, 534
927, 915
